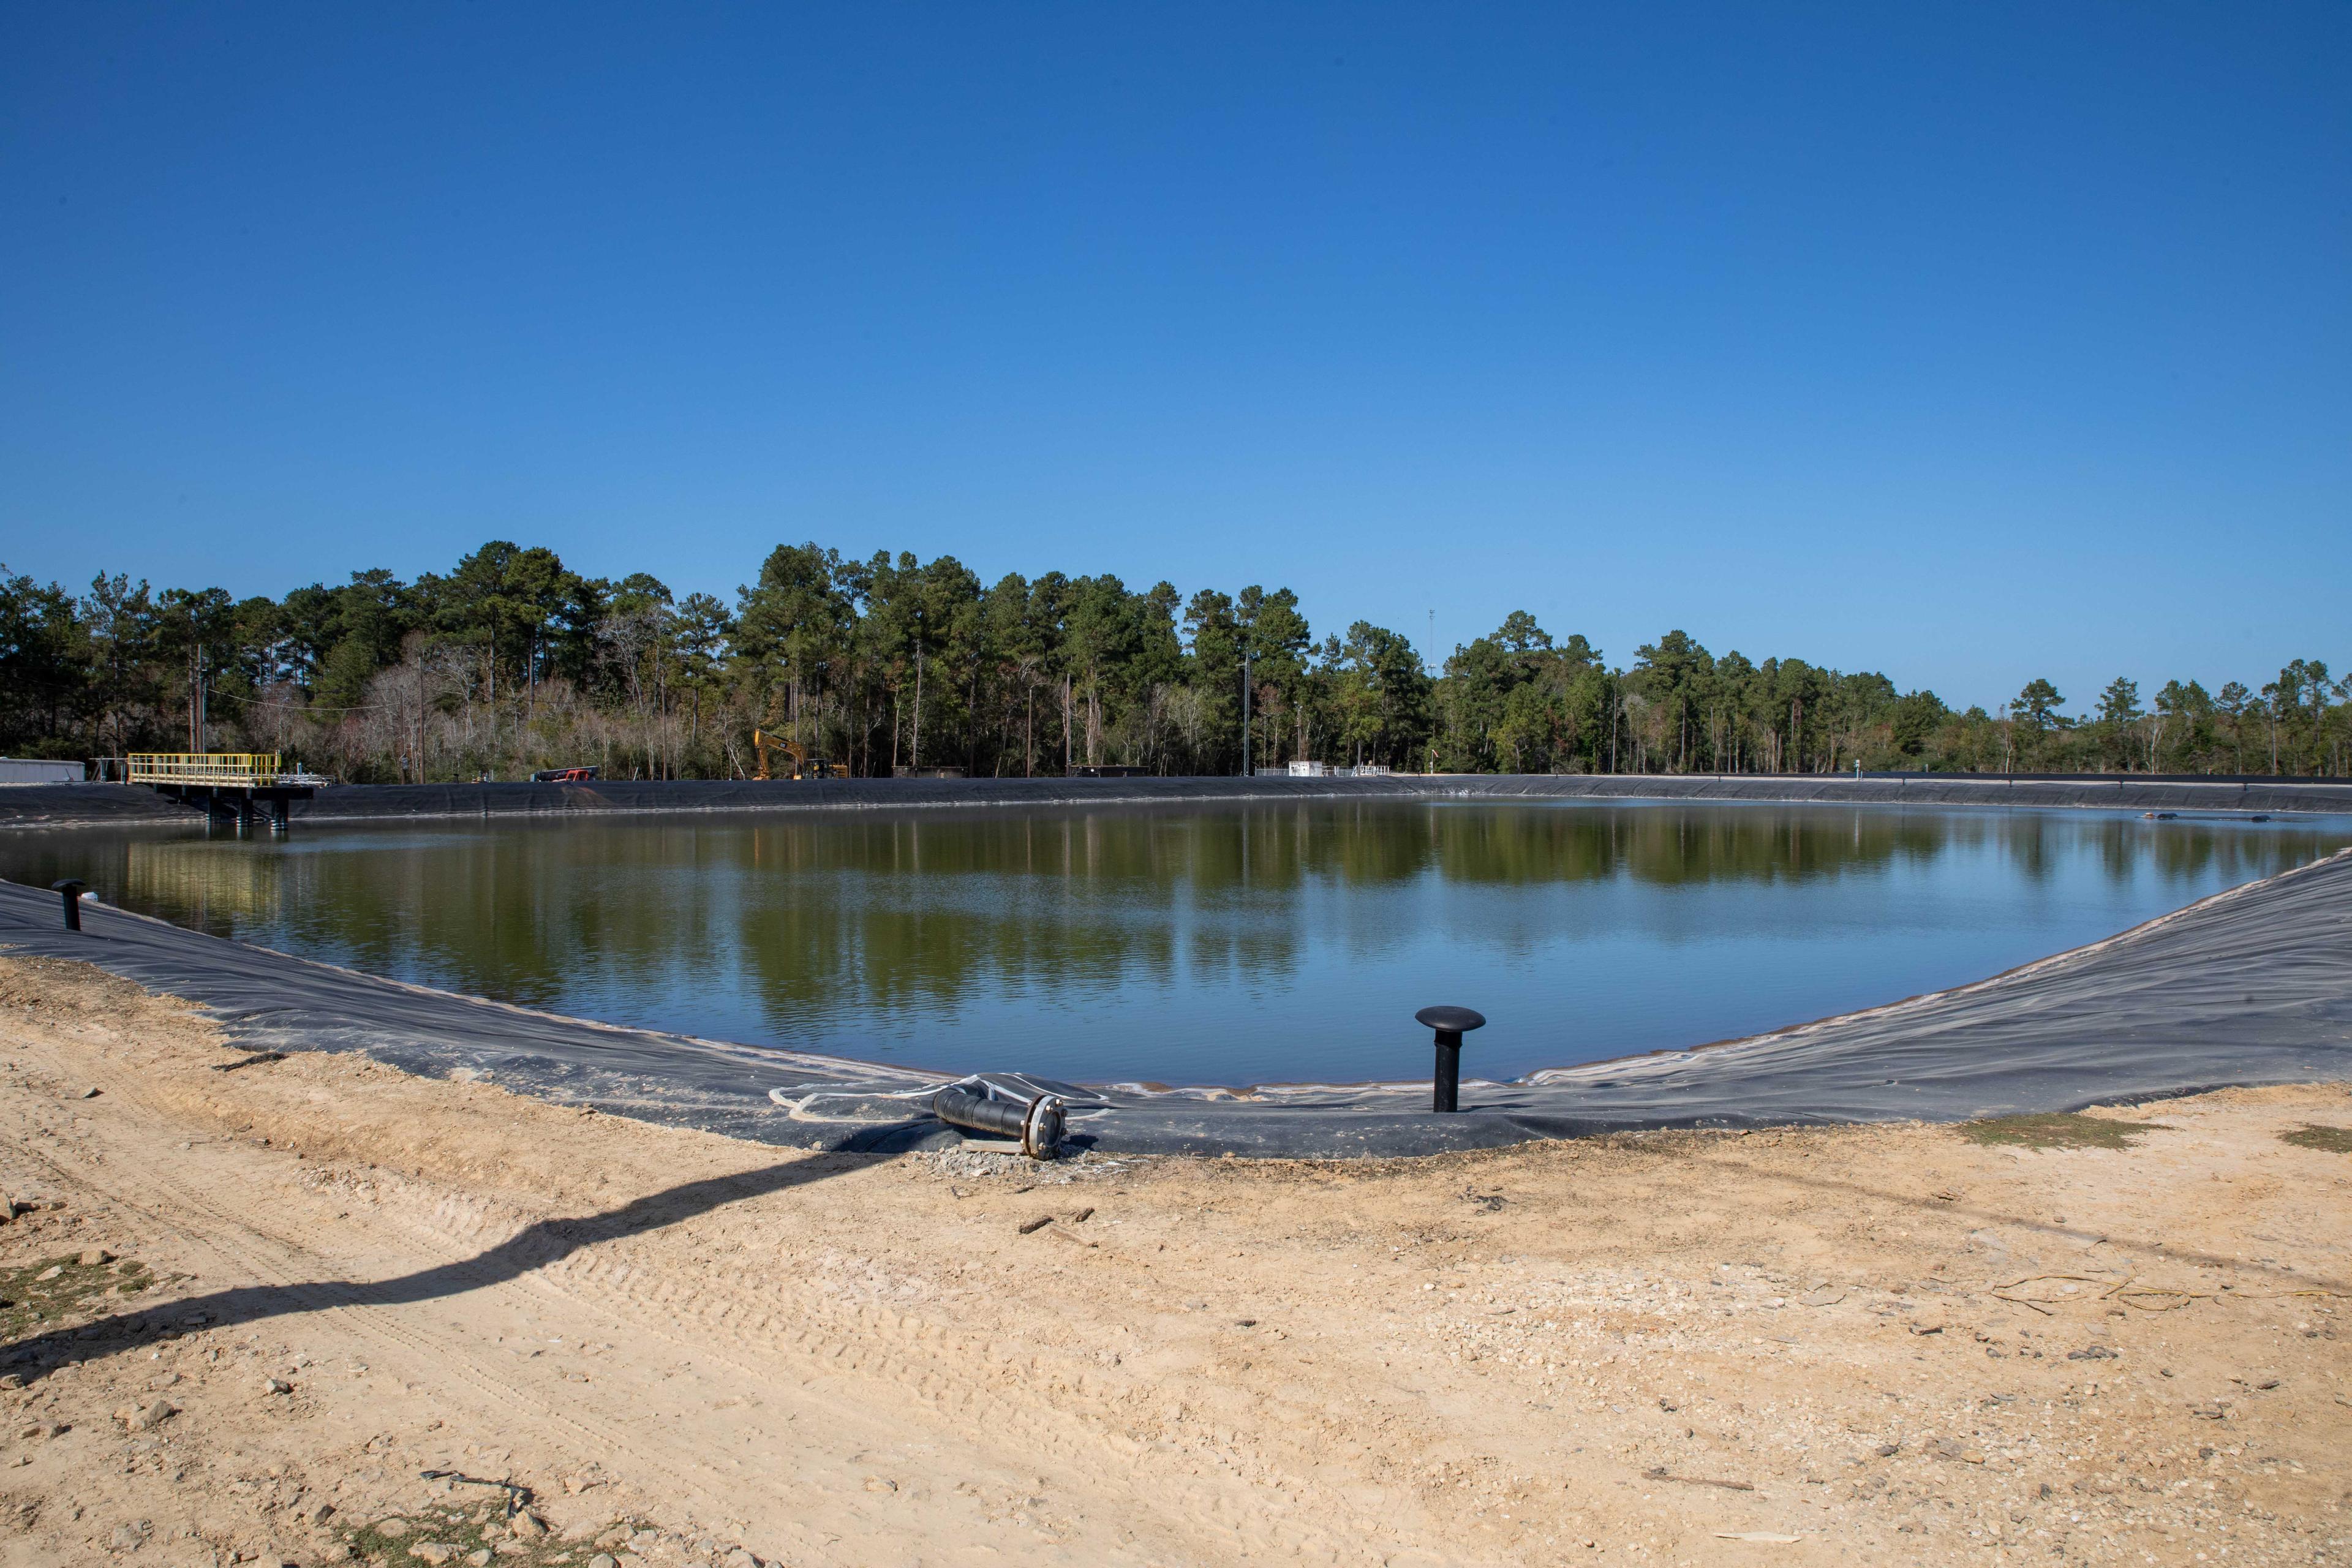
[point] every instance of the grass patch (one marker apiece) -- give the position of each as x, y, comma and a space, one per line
2326, 1139
2057, 1129
58, 1292
461, 1533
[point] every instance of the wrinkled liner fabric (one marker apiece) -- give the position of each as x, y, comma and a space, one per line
78, 806
2250, 987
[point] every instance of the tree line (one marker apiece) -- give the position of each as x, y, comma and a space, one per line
512, 661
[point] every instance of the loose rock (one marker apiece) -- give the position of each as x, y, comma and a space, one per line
154, 1415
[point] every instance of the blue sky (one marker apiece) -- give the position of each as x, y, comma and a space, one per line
1971, 342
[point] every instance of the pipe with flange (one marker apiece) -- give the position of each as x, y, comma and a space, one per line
1036, 1123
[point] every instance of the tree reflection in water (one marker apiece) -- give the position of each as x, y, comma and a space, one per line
1238, 944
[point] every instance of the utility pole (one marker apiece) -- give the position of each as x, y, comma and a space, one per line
915, 750
1246, 711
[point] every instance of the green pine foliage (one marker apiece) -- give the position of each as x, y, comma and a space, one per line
512, 661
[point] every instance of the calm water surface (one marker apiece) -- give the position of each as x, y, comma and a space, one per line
1237, 945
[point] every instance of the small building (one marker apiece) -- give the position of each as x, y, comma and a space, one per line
1300, 768
40, 769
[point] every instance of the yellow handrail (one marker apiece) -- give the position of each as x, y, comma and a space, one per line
238, 768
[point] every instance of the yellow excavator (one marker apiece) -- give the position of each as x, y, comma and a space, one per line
804, 766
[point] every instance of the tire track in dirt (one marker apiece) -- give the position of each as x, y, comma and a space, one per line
1052, 1406
294, 1257
1030, 1408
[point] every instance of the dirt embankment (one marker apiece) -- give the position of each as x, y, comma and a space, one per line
283, 1291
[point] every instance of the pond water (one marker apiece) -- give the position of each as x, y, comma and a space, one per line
1244, 944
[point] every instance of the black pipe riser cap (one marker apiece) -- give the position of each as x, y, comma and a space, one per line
1452, 1020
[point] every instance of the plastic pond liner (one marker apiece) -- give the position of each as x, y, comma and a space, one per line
92, 804
2253, 986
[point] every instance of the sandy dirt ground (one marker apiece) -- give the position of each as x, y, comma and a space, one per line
248, 1309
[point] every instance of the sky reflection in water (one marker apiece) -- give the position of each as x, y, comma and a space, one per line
1239, 945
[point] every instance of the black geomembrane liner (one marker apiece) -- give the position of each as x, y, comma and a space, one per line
2250, 987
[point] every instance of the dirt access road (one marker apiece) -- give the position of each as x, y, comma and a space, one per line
282, 1291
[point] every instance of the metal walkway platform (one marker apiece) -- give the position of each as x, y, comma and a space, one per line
233, 786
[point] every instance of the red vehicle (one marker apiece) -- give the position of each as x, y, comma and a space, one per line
565, 775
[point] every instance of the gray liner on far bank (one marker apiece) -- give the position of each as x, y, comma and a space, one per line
100, 805
2251, 986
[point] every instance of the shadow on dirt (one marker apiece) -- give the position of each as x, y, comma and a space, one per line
535, 1246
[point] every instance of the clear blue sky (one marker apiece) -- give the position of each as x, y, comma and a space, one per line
1971, 342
